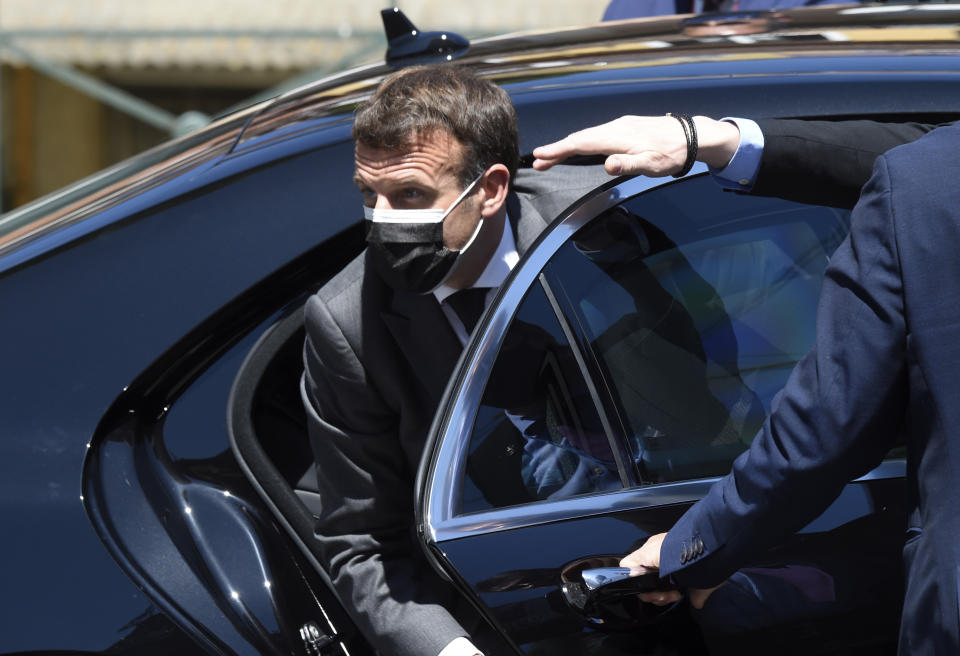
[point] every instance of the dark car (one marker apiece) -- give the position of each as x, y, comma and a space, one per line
156, 486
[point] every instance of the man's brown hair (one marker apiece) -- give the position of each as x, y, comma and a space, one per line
419, 100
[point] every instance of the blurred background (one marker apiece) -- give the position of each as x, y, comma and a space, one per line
87, 83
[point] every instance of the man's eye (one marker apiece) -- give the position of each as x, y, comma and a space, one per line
369, 196
412, 194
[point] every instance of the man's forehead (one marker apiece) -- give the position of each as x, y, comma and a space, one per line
436, 152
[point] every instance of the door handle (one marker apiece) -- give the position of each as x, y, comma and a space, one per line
613, 581
598, 577
607, 596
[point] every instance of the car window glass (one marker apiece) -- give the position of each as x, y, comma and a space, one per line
537, 434
696, 305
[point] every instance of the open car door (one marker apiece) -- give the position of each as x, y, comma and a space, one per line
630, 357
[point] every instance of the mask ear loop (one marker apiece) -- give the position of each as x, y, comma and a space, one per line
476, 230
473, 236
457, 202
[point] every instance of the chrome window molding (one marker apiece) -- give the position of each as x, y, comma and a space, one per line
568, 333
543, 512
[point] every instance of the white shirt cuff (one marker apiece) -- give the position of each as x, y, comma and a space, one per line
741, 172
459, 647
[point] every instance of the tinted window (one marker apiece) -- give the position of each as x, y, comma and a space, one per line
537, 434
696, 304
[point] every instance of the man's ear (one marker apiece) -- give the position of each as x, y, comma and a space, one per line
494, 184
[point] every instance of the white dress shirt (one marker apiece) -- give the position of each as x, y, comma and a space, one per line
502, 262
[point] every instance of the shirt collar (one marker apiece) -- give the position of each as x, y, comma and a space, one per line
502, 262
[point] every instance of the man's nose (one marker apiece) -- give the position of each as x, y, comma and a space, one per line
383, 203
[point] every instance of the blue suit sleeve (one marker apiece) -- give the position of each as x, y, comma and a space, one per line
836, 418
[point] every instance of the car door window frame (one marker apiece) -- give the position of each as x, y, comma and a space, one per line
443, 463
444, 459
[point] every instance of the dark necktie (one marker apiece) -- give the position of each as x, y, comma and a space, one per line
468, 304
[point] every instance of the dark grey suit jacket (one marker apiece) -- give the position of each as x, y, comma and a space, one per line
825, 162
376, 363
886, 357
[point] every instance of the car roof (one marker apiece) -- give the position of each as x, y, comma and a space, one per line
678, 52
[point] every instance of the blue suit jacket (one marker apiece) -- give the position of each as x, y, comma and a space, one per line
886, 358
619, 9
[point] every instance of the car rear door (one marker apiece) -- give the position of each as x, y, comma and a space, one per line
632, 355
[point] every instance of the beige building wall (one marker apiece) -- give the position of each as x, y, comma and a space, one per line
68, 135
6, 138
500, 15
320, 31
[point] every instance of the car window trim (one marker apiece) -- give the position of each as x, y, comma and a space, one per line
605, 503
612, 416
627, 478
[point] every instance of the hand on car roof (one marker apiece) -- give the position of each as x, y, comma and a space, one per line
644, 145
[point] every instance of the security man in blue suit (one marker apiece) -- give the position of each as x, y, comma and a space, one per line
886, 360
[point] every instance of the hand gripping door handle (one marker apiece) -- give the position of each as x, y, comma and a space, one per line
617, 580
608, 596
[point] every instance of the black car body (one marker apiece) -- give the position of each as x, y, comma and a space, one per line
155, 492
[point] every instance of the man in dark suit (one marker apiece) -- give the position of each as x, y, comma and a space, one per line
436, 158
886, 358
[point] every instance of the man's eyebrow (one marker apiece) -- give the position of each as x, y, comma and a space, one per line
402, 179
